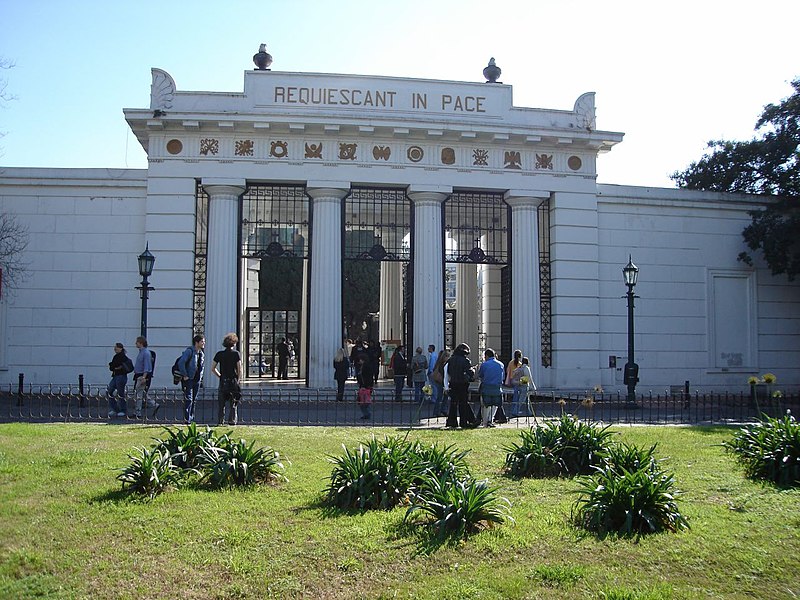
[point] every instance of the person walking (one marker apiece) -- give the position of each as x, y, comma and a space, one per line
341, 371
142, 372
227, 365
284, 351
399, 366
191, 366
419, 373
119, 366
490, 374
523, 379
440, 405
457, 377
366, 384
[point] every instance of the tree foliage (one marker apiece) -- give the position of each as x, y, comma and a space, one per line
767, 164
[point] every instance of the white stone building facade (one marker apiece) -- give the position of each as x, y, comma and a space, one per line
507, 193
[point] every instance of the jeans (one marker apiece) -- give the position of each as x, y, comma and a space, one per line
117, 384
520, 396
140, 396
399, 384
438, 398
190, 390
229, 391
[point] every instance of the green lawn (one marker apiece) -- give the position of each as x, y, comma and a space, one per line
66, 531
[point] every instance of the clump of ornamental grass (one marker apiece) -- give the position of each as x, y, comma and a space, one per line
769, 450
232, 463
628, 502
192, 456
150, 472
457, 507
565, 447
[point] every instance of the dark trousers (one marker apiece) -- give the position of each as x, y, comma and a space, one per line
340, 389
283, 367
229, 391
399, 384
460, 410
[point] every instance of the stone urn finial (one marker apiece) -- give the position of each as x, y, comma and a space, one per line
491, 71
262, 59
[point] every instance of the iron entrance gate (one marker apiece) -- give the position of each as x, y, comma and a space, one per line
274, 252
265, 329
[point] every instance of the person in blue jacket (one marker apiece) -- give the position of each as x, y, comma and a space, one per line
191, 366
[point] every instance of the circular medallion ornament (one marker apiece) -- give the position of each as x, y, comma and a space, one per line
415, 154
174, 146
574, 163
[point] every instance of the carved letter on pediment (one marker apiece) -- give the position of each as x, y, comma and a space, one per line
278, 149
244, 148
381, 152
448, 156
347, 151
314, 150
480, 156
544, 161
209, 146
513, 160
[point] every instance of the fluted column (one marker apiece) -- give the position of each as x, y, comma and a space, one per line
325, 305
467, 305
222, 312
428, 265
526, 319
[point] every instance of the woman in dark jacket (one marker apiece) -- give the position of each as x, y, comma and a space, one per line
341, 370
459, 374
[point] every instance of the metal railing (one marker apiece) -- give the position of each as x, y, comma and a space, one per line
302, 406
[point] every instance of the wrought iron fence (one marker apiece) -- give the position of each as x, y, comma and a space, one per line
300, 406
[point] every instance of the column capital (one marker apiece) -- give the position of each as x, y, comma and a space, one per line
424, 194
525, 197
327, 189
218, 186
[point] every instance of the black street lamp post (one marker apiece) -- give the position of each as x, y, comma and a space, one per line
146, 261
631, 376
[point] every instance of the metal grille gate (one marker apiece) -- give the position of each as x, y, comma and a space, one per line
274, 248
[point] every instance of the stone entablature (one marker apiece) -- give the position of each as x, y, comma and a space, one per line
348, 120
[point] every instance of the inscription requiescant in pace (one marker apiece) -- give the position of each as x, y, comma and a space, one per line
390, 99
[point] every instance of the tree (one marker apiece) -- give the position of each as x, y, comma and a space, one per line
13, 242
5, 96
769, 164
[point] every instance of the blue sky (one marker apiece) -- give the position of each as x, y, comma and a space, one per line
670, 75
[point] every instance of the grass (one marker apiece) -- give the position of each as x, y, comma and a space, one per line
67, 531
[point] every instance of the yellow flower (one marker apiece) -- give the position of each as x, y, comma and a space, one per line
777, 394
588, 402
562, 402
769, 378
524, 380
752, 380
426, 389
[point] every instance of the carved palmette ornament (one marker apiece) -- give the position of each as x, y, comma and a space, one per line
162, 90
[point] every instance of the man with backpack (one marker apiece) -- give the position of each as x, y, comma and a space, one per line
190, 366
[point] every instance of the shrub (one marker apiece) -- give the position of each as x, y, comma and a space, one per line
458, 507
769, 450
377, 475
437, 461
150, 472
564, 447
185, 445
231, 463
624, 457
628, 502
